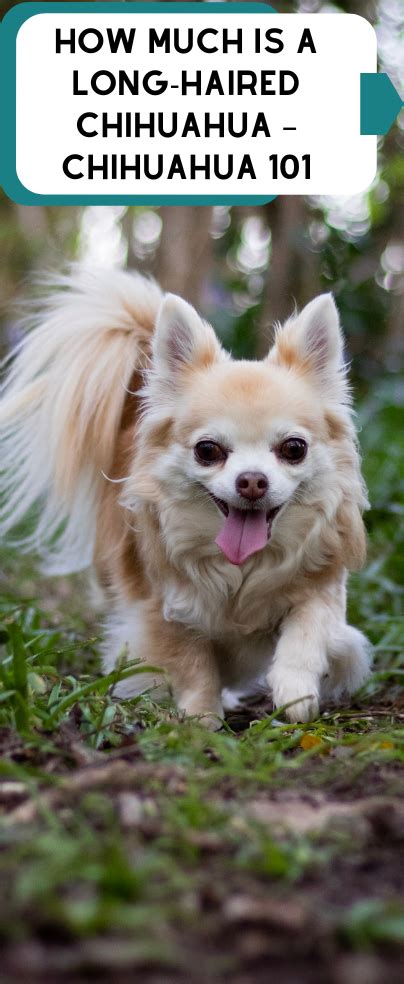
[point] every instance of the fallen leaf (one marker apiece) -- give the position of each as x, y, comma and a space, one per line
310, 741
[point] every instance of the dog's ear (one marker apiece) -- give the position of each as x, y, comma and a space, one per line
312, 342
182, 340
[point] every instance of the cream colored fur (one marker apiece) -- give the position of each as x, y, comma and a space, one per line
100, 413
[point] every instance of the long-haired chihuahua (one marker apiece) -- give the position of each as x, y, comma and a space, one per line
219, 501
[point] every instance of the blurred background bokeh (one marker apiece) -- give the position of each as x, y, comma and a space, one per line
247, 267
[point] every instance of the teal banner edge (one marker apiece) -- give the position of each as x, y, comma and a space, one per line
380, 103
9, 28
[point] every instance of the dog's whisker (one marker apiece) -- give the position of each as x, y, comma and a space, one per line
115, 481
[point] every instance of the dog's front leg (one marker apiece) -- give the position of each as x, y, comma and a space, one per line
187, 660
300, 659
194, 678
191, 666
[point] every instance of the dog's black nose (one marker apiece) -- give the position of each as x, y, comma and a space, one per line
252, 485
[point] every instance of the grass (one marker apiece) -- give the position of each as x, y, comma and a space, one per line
133, 842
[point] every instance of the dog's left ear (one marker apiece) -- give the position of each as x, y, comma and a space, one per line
182, 340
312, 341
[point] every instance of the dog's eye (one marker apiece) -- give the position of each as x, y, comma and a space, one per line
209, 453
293, 450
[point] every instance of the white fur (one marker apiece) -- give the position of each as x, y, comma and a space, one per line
60, 413
126, 638
55, 383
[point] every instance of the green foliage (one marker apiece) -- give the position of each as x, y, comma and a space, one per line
130, 856
371, 922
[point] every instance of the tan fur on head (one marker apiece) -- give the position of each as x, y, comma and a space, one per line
101, 417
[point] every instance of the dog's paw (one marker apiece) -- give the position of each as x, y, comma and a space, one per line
209, 716
211, 721
298, 690
303, 711
208, 720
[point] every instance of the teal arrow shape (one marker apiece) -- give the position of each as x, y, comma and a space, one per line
380, 103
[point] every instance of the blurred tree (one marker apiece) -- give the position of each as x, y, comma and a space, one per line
184, 257
293, 272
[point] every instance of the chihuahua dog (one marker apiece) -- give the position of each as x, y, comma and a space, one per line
219, 501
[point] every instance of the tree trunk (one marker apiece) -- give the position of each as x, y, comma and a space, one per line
185, 251
285, 217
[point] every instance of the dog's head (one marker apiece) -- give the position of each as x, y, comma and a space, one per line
244, 440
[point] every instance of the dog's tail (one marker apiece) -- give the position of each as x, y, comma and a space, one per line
61, 406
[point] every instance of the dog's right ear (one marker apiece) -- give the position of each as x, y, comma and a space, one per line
182, 341
312, 343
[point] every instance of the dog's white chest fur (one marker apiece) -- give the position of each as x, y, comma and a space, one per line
222, 601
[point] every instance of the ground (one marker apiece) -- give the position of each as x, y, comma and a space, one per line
138, 846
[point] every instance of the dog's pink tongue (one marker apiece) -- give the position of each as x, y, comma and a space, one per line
242, 534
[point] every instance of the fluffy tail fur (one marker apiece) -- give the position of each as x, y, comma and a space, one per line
61, 406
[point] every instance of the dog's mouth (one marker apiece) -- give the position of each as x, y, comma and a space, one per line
245, 531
